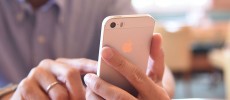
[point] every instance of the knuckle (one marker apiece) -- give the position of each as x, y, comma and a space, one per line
23, 83
25, 87
137, 76
45, 62
97, 85
71, 72
121, 63
82, 59
35, 71
60, 59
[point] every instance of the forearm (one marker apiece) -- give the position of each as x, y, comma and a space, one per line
168, 82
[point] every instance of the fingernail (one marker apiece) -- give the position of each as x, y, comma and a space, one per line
87, 79
107, 53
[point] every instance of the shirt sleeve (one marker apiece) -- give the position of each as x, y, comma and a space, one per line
120, 7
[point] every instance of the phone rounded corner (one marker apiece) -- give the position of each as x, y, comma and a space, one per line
151, 18
106, 20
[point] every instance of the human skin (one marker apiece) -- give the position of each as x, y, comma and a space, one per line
150, 87
157, 82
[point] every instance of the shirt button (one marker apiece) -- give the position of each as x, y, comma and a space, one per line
19, 16
41, 39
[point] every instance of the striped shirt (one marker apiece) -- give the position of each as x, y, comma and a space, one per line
60, 28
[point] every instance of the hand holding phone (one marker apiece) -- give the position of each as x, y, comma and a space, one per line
149, 85
131, 36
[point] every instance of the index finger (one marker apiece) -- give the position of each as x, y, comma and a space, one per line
83, 65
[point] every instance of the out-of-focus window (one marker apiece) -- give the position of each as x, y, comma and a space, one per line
169, 5
191, 29
174, 13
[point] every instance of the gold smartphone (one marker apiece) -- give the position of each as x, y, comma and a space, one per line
131, 36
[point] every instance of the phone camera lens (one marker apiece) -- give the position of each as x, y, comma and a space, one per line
113, 24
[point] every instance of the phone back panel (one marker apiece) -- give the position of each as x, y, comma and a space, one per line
132, 41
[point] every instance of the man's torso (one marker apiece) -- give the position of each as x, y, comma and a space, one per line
63, 28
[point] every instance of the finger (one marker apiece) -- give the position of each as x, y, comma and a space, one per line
28, 90
90, 95
105, 90
156, 67
84, 65
45, 78
132, 73
68, 75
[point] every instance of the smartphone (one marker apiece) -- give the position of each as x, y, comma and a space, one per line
129, 35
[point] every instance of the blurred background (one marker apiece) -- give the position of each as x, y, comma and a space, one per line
196, 44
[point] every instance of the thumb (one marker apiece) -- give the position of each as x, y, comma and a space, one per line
156, 61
